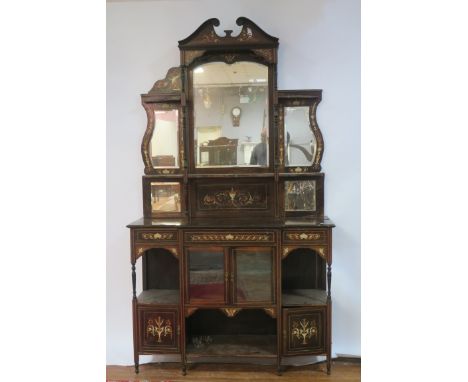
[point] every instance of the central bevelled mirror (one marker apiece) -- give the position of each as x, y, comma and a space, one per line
230, 106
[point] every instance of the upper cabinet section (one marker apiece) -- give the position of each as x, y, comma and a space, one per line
220, 113
231, 115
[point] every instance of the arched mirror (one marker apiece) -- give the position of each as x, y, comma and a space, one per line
230, 110
300, 143
164, 144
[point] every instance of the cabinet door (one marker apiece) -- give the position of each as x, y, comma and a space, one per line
253, 278
159, 330
304, 331
207, 275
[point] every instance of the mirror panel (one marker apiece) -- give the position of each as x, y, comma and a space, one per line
300, 195
300, 144
230, 106
165, 197
164, 145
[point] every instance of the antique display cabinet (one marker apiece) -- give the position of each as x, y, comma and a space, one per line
236, 251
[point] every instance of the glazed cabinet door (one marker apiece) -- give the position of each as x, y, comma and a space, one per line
304, 330
207, 275
159, 330
252, 276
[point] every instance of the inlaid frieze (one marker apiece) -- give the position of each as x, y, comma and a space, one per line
240, 196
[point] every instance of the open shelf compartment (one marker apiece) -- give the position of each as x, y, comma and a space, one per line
303, 281
160, 278
250, 333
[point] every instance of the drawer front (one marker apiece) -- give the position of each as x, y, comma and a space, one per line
151, 236
230, 237
158, 330
316, 236
304, 331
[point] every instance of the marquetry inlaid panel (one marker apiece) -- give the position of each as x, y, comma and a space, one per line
230, 236
159, 329
304, 331
156, 236
230, 196
302, 236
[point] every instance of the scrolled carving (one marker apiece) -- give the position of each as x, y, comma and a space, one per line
206, 35
318, 136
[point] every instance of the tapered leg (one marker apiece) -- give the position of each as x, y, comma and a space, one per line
137, 366
279, 370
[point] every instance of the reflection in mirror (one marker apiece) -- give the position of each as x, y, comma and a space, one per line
230, 104
300, 144
164, 146
299, 195
165, 197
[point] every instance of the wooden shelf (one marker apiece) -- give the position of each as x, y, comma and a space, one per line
236, 346
159, 297
301, 297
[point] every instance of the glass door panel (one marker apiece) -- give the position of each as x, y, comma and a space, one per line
253, 275
206, 275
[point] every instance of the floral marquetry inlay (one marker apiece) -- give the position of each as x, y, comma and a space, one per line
231, 237
248, 197
304, 330
303, 236
158, 236
159, 328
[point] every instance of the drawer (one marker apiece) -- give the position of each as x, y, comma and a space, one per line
304, 330
316, 236
158, 329
156, 235
230, 237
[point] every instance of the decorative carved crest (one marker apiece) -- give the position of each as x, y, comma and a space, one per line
172, 82
250, 34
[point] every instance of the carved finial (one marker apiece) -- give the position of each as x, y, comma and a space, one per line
228, 32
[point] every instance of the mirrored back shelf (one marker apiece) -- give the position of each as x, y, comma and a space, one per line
233, 203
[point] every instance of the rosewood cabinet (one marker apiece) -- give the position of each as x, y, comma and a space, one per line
235, 248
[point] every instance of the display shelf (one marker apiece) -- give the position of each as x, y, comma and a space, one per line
304, 297
159, 297
235, 345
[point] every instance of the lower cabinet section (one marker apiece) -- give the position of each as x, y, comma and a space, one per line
304, 330
159, 330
